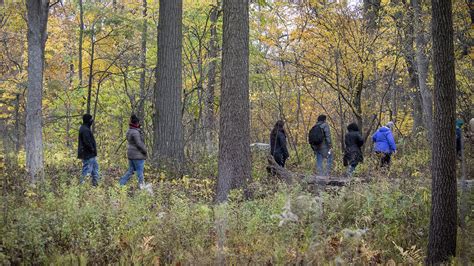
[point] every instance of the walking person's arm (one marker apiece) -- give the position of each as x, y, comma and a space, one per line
139, 143
282, 140
87, 140
327, 135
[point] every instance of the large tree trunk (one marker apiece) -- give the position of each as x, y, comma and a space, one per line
141, 103
443, 220
209, 119
234, 138
37, 12
81, 37
168, 127
422, 67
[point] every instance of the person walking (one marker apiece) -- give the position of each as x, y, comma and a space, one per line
319, 138
136, 152
278, 148
384, 143
352, 153
87, 150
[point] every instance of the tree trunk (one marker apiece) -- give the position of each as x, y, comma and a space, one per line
443, 220
37, 12
17, 124
91, 73
168, 127
234, 139
371, 10
81, 37
422, 67
141, 103
209, 119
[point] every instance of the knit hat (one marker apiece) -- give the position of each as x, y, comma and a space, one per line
390, 125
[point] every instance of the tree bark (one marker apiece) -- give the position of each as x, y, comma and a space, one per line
37, 13
234, 166
443, 220
141, 103
422, 67
168, 127
209, 119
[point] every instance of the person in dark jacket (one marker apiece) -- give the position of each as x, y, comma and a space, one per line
324, 149
136, 152
384, 143
278, 148
353, 142
87, 150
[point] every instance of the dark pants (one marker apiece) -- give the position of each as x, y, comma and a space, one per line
385, 159
279, 159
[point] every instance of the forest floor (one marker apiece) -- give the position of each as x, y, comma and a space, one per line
380, 216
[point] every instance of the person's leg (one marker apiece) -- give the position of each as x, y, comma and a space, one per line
329, 164
352, 168
124, 179
386, 159
95, 171
278, 159
86, 170
319, 162
139, 167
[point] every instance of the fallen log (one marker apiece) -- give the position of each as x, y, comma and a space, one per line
274, 169
289, 177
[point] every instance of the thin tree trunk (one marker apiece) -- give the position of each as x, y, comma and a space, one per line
209, 119
37, 13
234, 166
141, 103
422, 67
443, 219
81, 37
91, 73
17, 124
168, 133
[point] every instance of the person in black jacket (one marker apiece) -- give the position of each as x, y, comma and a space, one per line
353, 154
87, 150
278, 143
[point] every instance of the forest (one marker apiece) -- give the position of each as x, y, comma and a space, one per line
229, 132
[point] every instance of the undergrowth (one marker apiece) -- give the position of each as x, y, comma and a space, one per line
60, 222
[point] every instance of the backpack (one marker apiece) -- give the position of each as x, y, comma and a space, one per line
316, 135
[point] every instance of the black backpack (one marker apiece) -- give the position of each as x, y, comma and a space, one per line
316, 135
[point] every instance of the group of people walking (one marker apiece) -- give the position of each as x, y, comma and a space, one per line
319, 137
136, 151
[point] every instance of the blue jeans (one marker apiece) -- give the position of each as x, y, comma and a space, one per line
90, 167
319, 162
133, 166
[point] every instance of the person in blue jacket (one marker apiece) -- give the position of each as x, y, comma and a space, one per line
384, 143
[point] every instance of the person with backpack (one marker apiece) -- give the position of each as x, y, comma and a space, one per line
87, 150
136, 152
319, 138
384, 143
352, 153
278, 148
